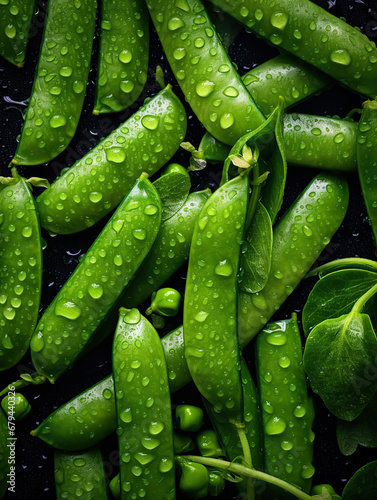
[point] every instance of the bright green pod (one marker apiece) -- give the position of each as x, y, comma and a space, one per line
203, 69
4, 454
298, 240
287, 411
90, 417
211, 298
97, 183
314, 35
15, 21
20, 269
88, 295
80, 475
367, 160
321, 142
60, 81
123, 55
145, 427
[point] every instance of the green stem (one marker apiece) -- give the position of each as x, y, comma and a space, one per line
250, 493
241, 470
255, 195
348, 263
360, 303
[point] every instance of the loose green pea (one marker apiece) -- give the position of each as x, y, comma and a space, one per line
208, 444
165, 302
194, 481
216, 484
16, 405
189, 418
183, 443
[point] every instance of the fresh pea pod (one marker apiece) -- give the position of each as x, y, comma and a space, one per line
86, 298
95, 185
204, 71
15, 21
123, 57
287, 410
60, 81
16, 405
4, 453
145, 428
210, 307
298, 240
314, 35
80, 475
20, 270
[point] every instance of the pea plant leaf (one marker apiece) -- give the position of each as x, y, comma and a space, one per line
338, 354
256, 252
173, 189
363, 484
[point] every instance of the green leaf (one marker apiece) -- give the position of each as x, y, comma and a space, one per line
338, 355
256, 252
363, 484
335, 295
173, 189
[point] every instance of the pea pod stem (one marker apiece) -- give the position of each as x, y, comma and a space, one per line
360, 303
248, 460
347, 263
242, 470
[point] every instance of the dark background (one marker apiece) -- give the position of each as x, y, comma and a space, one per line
34, 477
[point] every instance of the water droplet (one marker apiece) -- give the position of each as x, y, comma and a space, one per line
95, 290
65, 71
67, 309
165, 465
205, 88
156, 427
107, 394
299, 411
341, 56
144, 458
275, 425
226, 120
125, 56
231, 92
150, 209
27, 232
132, 317
201, 316
58, 121
150, 443
286, 445
279, 20
115, 155
224, 268
307, 471
95, 197
175, 23
150, 122
126, 415
139, 234
284, 361
276, 338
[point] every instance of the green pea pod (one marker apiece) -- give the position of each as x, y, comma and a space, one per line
60, 81
4, 454
89, 294
123, 57
91, 416
203, 69
226, 27
367, 160
287, 410
80, 475
95, 185
145, 428
298, 240
20, 270
211, 298
315, 36
15, 21
16, 405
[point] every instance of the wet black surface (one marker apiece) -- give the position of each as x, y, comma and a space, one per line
34, 476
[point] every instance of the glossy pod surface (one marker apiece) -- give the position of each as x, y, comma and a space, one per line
145, 429
83, 302
204, 71
20, 269
298, 240
60, 81
95, 185
123, 59
309, 32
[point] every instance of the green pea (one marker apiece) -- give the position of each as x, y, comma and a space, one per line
15, 21
123, 56
16, 405
144, 143
114, 487
165, 302
183, 443
60, 81
194, 481
317, 490
208, 444
80, 475
83, 302
145, 429
203, 69
216, 484
189, 418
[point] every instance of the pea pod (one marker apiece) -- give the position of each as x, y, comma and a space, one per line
20, 270
315, 36
210, 307
15, 21
123, 57
145, 429
60, 81
287, 410
96, 184
204, 71
80, 475
298, 240
4, 454
86, 298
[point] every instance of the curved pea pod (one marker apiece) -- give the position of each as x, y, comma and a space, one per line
123, 57
203, 69
210, 306
20, 269
145, 429
298, 240
91, 416
97, 183
83, 302
367, 160
320, 142
60, 81
4, 454
315, 36
287, 410
80, 475
15, 21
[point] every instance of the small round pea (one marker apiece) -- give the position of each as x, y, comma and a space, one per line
165, 302
16, 405
182, 443
216, 484
189, 418
194, 480
208, 444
